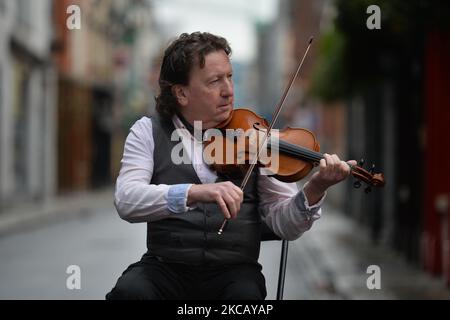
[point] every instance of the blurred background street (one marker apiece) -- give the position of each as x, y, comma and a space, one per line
76, 74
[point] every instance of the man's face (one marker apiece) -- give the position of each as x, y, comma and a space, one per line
209, 96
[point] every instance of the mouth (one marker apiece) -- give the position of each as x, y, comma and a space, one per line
223, 106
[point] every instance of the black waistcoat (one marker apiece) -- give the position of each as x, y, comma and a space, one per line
191, 237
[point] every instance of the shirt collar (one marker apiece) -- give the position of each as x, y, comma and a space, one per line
181, 123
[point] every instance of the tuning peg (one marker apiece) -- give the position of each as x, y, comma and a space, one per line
357, 184
361, 162
368, 190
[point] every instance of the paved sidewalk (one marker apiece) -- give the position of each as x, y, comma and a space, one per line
82, 230
330, 262
31, 215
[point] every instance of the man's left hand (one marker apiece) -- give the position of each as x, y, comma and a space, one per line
332, 170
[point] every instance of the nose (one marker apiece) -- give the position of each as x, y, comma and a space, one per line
228, 88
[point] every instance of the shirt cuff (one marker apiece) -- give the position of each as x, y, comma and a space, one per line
177, 198
303, 205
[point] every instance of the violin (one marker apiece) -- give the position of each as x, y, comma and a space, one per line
297, 151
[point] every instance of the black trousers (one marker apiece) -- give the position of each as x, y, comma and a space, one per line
151, 279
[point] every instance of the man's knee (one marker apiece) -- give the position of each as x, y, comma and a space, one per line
132, 288
245, 290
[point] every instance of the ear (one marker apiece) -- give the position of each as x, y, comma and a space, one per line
180, 94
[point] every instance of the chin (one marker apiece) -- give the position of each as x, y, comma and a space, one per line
225, 109
225, 113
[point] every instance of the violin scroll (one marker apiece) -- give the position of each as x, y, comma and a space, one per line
370, 178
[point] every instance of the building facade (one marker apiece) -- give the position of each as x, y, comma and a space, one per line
27, 102
102, 86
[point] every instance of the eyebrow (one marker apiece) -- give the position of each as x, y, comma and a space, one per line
218, 75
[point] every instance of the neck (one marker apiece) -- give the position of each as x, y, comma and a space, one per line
188, 120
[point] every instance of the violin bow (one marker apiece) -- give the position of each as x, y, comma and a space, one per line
275, 116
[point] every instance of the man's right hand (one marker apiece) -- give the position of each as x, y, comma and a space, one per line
226, 194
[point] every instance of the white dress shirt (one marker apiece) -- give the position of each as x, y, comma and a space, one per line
284, 208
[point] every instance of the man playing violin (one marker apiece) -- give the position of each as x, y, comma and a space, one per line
184, 204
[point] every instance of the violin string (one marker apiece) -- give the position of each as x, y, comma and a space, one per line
297, 151
301, 151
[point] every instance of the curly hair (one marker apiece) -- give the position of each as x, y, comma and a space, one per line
179, 59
